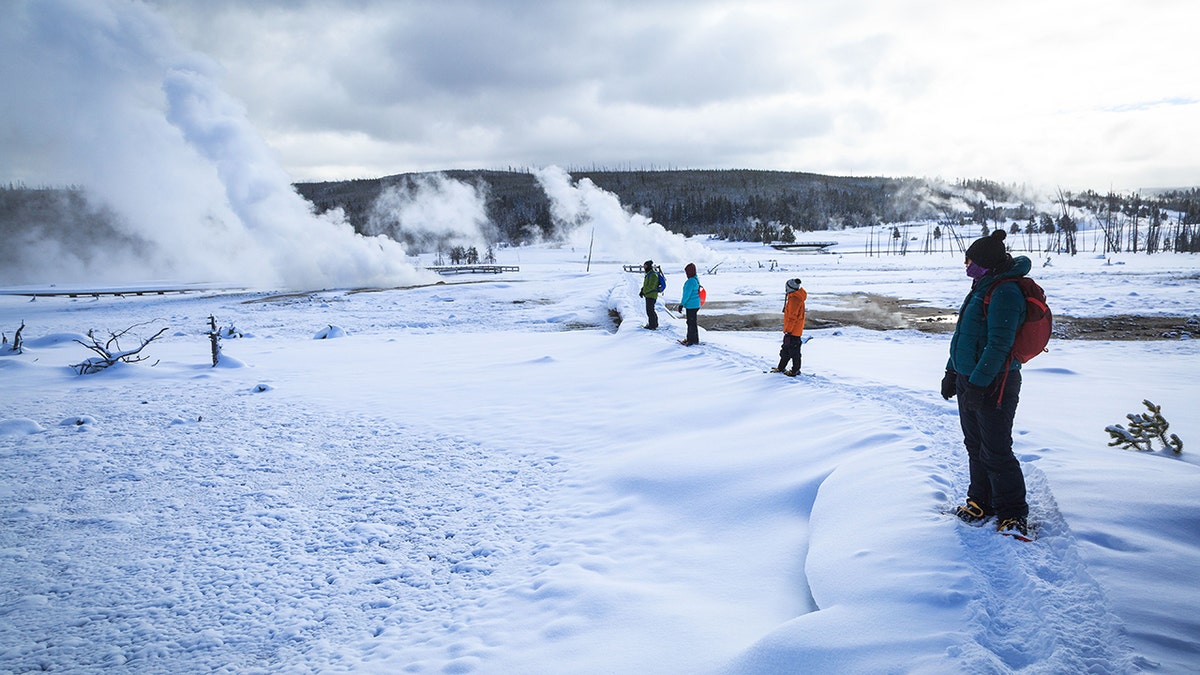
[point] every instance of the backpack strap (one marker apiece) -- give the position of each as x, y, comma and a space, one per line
987, 297
987, 300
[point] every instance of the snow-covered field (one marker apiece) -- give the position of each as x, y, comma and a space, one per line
492, 475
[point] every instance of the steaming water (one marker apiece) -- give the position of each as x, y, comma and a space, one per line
189, 191
110, 101
589, 217
432, 211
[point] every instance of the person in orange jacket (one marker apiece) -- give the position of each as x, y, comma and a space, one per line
793, 329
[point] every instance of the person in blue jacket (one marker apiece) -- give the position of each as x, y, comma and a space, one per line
987, 399
690, 303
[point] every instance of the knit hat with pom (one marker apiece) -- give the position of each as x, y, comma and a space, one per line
989, 252
793, 284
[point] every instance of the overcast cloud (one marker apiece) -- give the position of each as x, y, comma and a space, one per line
1075, 94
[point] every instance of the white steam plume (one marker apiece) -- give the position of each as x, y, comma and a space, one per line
100, 94
431, 211
587, 215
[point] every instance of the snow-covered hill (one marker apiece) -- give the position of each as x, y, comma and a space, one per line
492, 475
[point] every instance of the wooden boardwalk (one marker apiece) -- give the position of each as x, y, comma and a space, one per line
805, 247
473, 269
111, 291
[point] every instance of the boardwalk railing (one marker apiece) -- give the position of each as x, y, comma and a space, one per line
807, 246
112, 291
473, 269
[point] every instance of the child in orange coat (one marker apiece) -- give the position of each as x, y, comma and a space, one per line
793, 329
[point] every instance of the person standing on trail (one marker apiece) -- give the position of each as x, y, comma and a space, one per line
690, 303
793, 328
650, 293
987, 398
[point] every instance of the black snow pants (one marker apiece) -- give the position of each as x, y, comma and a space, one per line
790, 351
997, 483
693, 330
651, 315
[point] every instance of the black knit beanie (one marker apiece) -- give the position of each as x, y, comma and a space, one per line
989, 252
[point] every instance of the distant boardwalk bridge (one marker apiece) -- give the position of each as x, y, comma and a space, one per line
473, 269
111, 291
805, 246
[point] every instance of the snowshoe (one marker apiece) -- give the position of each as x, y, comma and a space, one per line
972, 513
1017, 528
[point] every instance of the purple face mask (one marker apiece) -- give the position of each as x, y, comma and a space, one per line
975, 271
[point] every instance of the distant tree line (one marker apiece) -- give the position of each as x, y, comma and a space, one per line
738, 205
465, 255
41, 221
742, 205
774, 206
1166, 222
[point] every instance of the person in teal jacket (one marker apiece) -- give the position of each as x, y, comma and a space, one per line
988, 384
690, 303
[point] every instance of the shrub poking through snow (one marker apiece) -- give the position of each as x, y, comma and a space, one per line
215, 335
1143, 429
214, 338
110, 352
16, 342
330, 332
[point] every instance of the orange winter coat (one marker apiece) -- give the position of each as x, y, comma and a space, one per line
793, 312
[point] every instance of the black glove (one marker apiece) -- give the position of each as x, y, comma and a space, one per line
979, 398
949, 384
641, 294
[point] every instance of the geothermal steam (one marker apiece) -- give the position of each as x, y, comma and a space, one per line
102, 96
431, 213
586, 215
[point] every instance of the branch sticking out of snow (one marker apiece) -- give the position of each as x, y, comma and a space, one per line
330, 332
110, 352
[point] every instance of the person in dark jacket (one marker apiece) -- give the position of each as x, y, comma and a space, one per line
690, 304
650, 293
988, 384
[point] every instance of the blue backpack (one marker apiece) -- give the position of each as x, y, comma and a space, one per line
662, 280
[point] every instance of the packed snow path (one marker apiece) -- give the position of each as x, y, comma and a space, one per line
1028, 605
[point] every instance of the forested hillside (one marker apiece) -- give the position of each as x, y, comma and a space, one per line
749, 205
743, 205
737, 204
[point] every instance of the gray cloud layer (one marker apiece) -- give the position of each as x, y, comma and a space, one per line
1071, 92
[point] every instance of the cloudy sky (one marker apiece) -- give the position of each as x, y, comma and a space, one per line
1058, 93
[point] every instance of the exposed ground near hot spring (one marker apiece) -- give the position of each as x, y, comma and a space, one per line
881, 312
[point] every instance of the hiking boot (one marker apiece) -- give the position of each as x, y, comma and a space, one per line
791, 373
776, 370
972, 513
1014, 527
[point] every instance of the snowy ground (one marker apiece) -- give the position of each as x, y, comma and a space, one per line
492, 475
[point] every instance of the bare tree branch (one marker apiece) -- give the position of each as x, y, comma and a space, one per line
110, 352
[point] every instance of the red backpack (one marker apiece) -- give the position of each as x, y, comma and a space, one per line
1034, 334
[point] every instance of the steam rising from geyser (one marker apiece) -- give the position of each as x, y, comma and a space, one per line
586, 215
102, 95
431, 212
